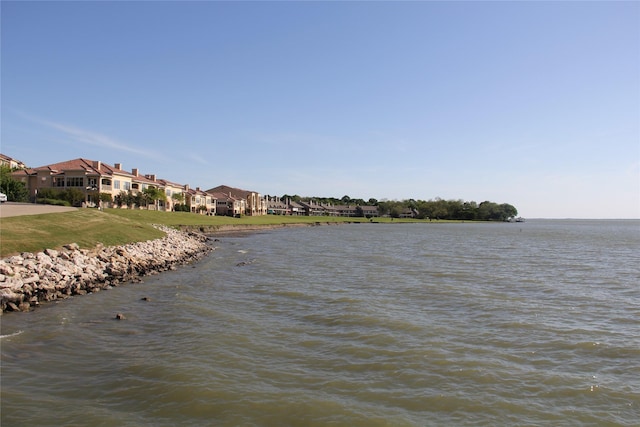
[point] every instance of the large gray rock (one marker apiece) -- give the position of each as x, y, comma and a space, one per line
29, 279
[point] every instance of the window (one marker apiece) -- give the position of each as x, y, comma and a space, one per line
116, 184
168, 192
75, 181
58, 181
126, 185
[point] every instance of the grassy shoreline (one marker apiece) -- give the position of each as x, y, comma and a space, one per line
88, 227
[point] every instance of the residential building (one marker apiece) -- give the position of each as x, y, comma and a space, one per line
12, 163
370, 211
199, 201
275, 206
227, 205
175, 194
296, 208
255, 204
408, 213
89, 176
312, 208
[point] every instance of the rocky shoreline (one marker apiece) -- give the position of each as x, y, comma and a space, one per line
29, 279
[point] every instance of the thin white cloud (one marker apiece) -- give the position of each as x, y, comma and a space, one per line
93, 138
197, 159
89, 137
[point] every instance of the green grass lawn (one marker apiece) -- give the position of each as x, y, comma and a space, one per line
88, 227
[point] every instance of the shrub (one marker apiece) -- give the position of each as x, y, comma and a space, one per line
73, 196
55, 202
181, 208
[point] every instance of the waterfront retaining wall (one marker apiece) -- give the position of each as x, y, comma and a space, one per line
29, 279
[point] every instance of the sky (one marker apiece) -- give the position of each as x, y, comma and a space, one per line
535, 104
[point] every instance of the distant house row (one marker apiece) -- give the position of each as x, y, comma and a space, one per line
95, 178
287, 207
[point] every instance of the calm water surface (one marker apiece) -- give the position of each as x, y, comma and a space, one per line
354, 325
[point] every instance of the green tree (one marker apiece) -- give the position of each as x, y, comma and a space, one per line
141, 199
154, 194
440, 209
490, 211
469, 210
106, 199
507, 211
395, 211
75, 196
120, 199
177, 198
15, 190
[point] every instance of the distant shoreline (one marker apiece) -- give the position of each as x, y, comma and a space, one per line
213, 230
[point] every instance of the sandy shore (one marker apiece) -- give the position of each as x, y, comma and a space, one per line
17, 209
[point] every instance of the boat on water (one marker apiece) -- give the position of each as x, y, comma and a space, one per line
518, 219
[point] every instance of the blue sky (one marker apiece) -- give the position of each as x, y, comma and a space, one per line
536, 104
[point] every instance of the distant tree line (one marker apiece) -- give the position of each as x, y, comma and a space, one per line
449, 209
425, 209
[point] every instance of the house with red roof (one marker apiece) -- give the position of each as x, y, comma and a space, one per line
199, 201
254, 203
91, 177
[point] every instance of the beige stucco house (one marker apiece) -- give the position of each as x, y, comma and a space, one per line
199, 201
11, 163
254, 203
89, 176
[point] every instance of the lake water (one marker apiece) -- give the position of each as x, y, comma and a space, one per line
531, 324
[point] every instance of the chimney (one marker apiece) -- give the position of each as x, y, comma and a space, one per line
197, 188
97, 164
186, 187
134, 172
118, 166
152, 177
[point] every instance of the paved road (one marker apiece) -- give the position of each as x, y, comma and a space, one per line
16, 209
